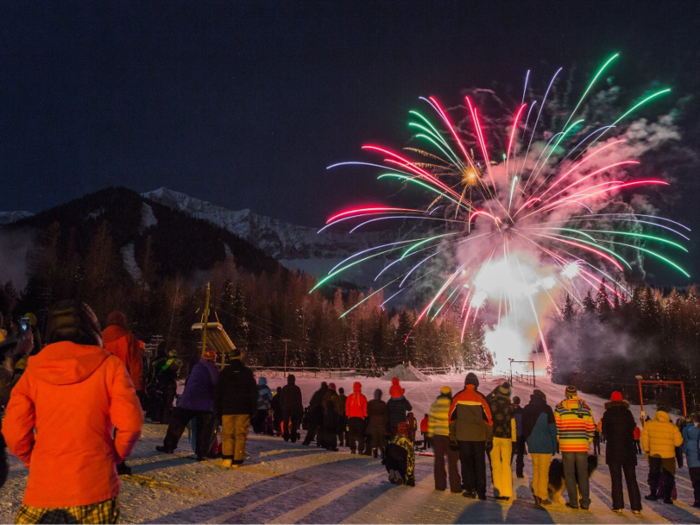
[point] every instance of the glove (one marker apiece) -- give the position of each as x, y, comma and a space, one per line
454, 445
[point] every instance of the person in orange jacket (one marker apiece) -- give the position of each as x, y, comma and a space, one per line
73, 393
424, 432
356, 412
122, 343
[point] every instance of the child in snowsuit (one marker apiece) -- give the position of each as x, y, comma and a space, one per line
399, 459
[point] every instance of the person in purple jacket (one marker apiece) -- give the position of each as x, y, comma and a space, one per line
196, 402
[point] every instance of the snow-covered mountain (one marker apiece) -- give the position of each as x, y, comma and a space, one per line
295, 246
6, 217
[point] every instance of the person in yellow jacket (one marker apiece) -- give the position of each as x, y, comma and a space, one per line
660, 438
439, 433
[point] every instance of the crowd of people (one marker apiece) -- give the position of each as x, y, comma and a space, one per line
90, 386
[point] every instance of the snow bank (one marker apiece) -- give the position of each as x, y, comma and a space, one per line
405, 373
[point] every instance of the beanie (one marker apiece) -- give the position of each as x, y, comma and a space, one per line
445, 391
516, 400
504, 389
331, 386
235, 354
74, 321
395, 391
402, 429
209, 355
540, 394
570, 391
471, 379
616, 396
117, 318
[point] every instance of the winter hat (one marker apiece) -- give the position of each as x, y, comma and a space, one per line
445, 391
570, 391
235, 354
341, 390
471, 379
331, 386
74, 321
504, 389
402, 429
262, 381
31, 317
209, 355
117, 318
172, 353
540, 394
516, 400
395, 391
616, 396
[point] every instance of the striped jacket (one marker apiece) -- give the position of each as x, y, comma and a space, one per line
575, 425
438, 421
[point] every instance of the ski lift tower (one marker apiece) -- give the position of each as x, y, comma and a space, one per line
213, 334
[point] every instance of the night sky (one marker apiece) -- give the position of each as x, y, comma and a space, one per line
245, 103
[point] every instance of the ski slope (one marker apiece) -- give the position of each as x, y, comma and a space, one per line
288, 483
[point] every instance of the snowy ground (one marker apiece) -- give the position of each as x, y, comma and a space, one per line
289, 483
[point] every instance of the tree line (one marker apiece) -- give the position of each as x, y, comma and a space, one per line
609, 338
258, 309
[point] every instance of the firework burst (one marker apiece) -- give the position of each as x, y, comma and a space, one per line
511, 233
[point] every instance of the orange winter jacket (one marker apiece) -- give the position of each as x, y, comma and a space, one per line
470, 416
356, 404
126, 347
74, 396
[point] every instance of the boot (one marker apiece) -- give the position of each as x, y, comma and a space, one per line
123, 469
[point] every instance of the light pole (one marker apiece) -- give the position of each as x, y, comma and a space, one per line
285, 341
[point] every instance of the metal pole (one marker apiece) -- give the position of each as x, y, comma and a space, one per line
641, 401
206, 320
511, 371
534, 381
685, 412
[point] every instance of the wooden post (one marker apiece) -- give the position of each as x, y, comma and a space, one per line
206, 320
285, 341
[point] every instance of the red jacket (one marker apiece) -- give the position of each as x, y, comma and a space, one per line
637, 433
126, 347
356, 404
424, 425
74, 395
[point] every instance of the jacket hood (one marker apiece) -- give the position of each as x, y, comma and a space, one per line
262, 381
536, 399
291, 380
357, 387
66, 363
396, 391
662, 416
611, 404
377, 394
113, 332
